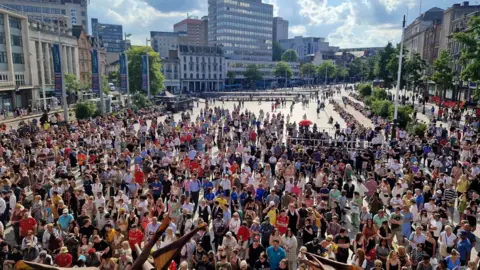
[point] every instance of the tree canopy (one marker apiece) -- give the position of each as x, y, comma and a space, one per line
290, 55
252, 74
282, 68
277, 51
442, 74
135, 69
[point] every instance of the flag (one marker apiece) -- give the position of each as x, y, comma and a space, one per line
142, 257
164, 256
23, 265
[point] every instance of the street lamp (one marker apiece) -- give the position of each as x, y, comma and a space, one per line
399, 76
148, 68
97, 48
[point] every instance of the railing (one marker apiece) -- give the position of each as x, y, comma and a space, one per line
348, 145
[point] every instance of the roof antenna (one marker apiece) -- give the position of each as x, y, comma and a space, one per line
420, 9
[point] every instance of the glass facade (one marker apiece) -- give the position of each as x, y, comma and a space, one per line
111, 34
242, 27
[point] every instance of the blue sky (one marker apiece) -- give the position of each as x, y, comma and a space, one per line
345, 23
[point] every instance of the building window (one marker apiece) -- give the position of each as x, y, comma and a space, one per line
15, 23
63, 12
3, 57
17, 58
198, 76
2, 38
16, 40
20, 79
184, 75
3, 77
84, 14
1, 19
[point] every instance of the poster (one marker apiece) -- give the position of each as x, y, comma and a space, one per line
57, 70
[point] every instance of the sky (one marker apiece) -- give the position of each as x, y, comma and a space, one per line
344, 23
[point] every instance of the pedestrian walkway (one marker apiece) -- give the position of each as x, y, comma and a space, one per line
358, 115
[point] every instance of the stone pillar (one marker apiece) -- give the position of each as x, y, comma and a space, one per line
48, 64
8, 47
64, 59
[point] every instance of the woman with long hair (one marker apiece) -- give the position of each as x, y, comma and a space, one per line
359, 259
290, 244
393, 263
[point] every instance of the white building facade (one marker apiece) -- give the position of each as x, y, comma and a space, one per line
307, 45
267, 68
202, 68
41, 39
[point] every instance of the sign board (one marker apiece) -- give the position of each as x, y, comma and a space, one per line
95, 75
144, 73
57, 70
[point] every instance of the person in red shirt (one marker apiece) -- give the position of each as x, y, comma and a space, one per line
243, 236
64, 259
139, 175
135, 237
282, 222
27, 223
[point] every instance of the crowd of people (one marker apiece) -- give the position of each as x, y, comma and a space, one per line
272, 191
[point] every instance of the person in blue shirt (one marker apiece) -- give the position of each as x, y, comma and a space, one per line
419, 199
157, 188
64, 219
209, 196
259, 193
275, 254
453, 261
207, 184
464, 248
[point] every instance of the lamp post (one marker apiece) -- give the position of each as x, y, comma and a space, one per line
148, 69
399, 77
126, 67
42, 68
64, 91
97, 48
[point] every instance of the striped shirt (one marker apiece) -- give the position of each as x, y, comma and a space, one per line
449, 195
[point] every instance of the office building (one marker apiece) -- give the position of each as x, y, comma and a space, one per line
163, 42
171, 72
41, 54
305, 46
280, 29
242, 27
202, 68
15, 72
110, 34
48, 11
414, 38
196, 30
454, 13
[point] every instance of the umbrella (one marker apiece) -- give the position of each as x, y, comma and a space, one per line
305, 123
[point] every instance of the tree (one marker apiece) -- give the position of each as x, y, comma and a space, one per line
442, 74
140, 100
135, 69
277, 51
308, 70
72, 84
105, 85
85, 110
392, 65
252, 75
355, 68
283, 69
414, 68
114, 77
326, 71
340, 73
380, 68
290, 55
379, 93
470, 54
231, 76
365, 89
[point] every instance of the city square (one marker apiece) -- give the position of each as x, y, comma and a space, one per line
257, 135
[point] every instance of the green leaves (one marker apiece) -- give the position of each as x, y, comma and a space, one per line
282, 69
290, 55
277, 51
442, 74
135, 70
252, 74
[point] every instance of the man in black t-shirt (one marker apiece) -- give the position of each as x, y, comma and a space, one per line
314, 247
254, 251
343, 242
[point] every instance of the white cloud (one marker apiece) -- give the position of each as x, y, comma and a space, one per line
298, 30
275, 4
319, 12
391, 5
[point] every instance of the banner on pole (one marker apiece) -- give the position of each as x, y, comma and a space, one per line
144, 73
57, 70
95, 75
123, 72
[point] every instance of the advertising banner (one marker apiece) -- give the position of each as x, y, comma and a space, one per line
95, 79
57, 70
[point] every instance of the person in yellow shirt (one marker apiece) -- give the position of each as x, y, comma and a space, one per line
271, 211
109, 233
462, 184
407, 198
